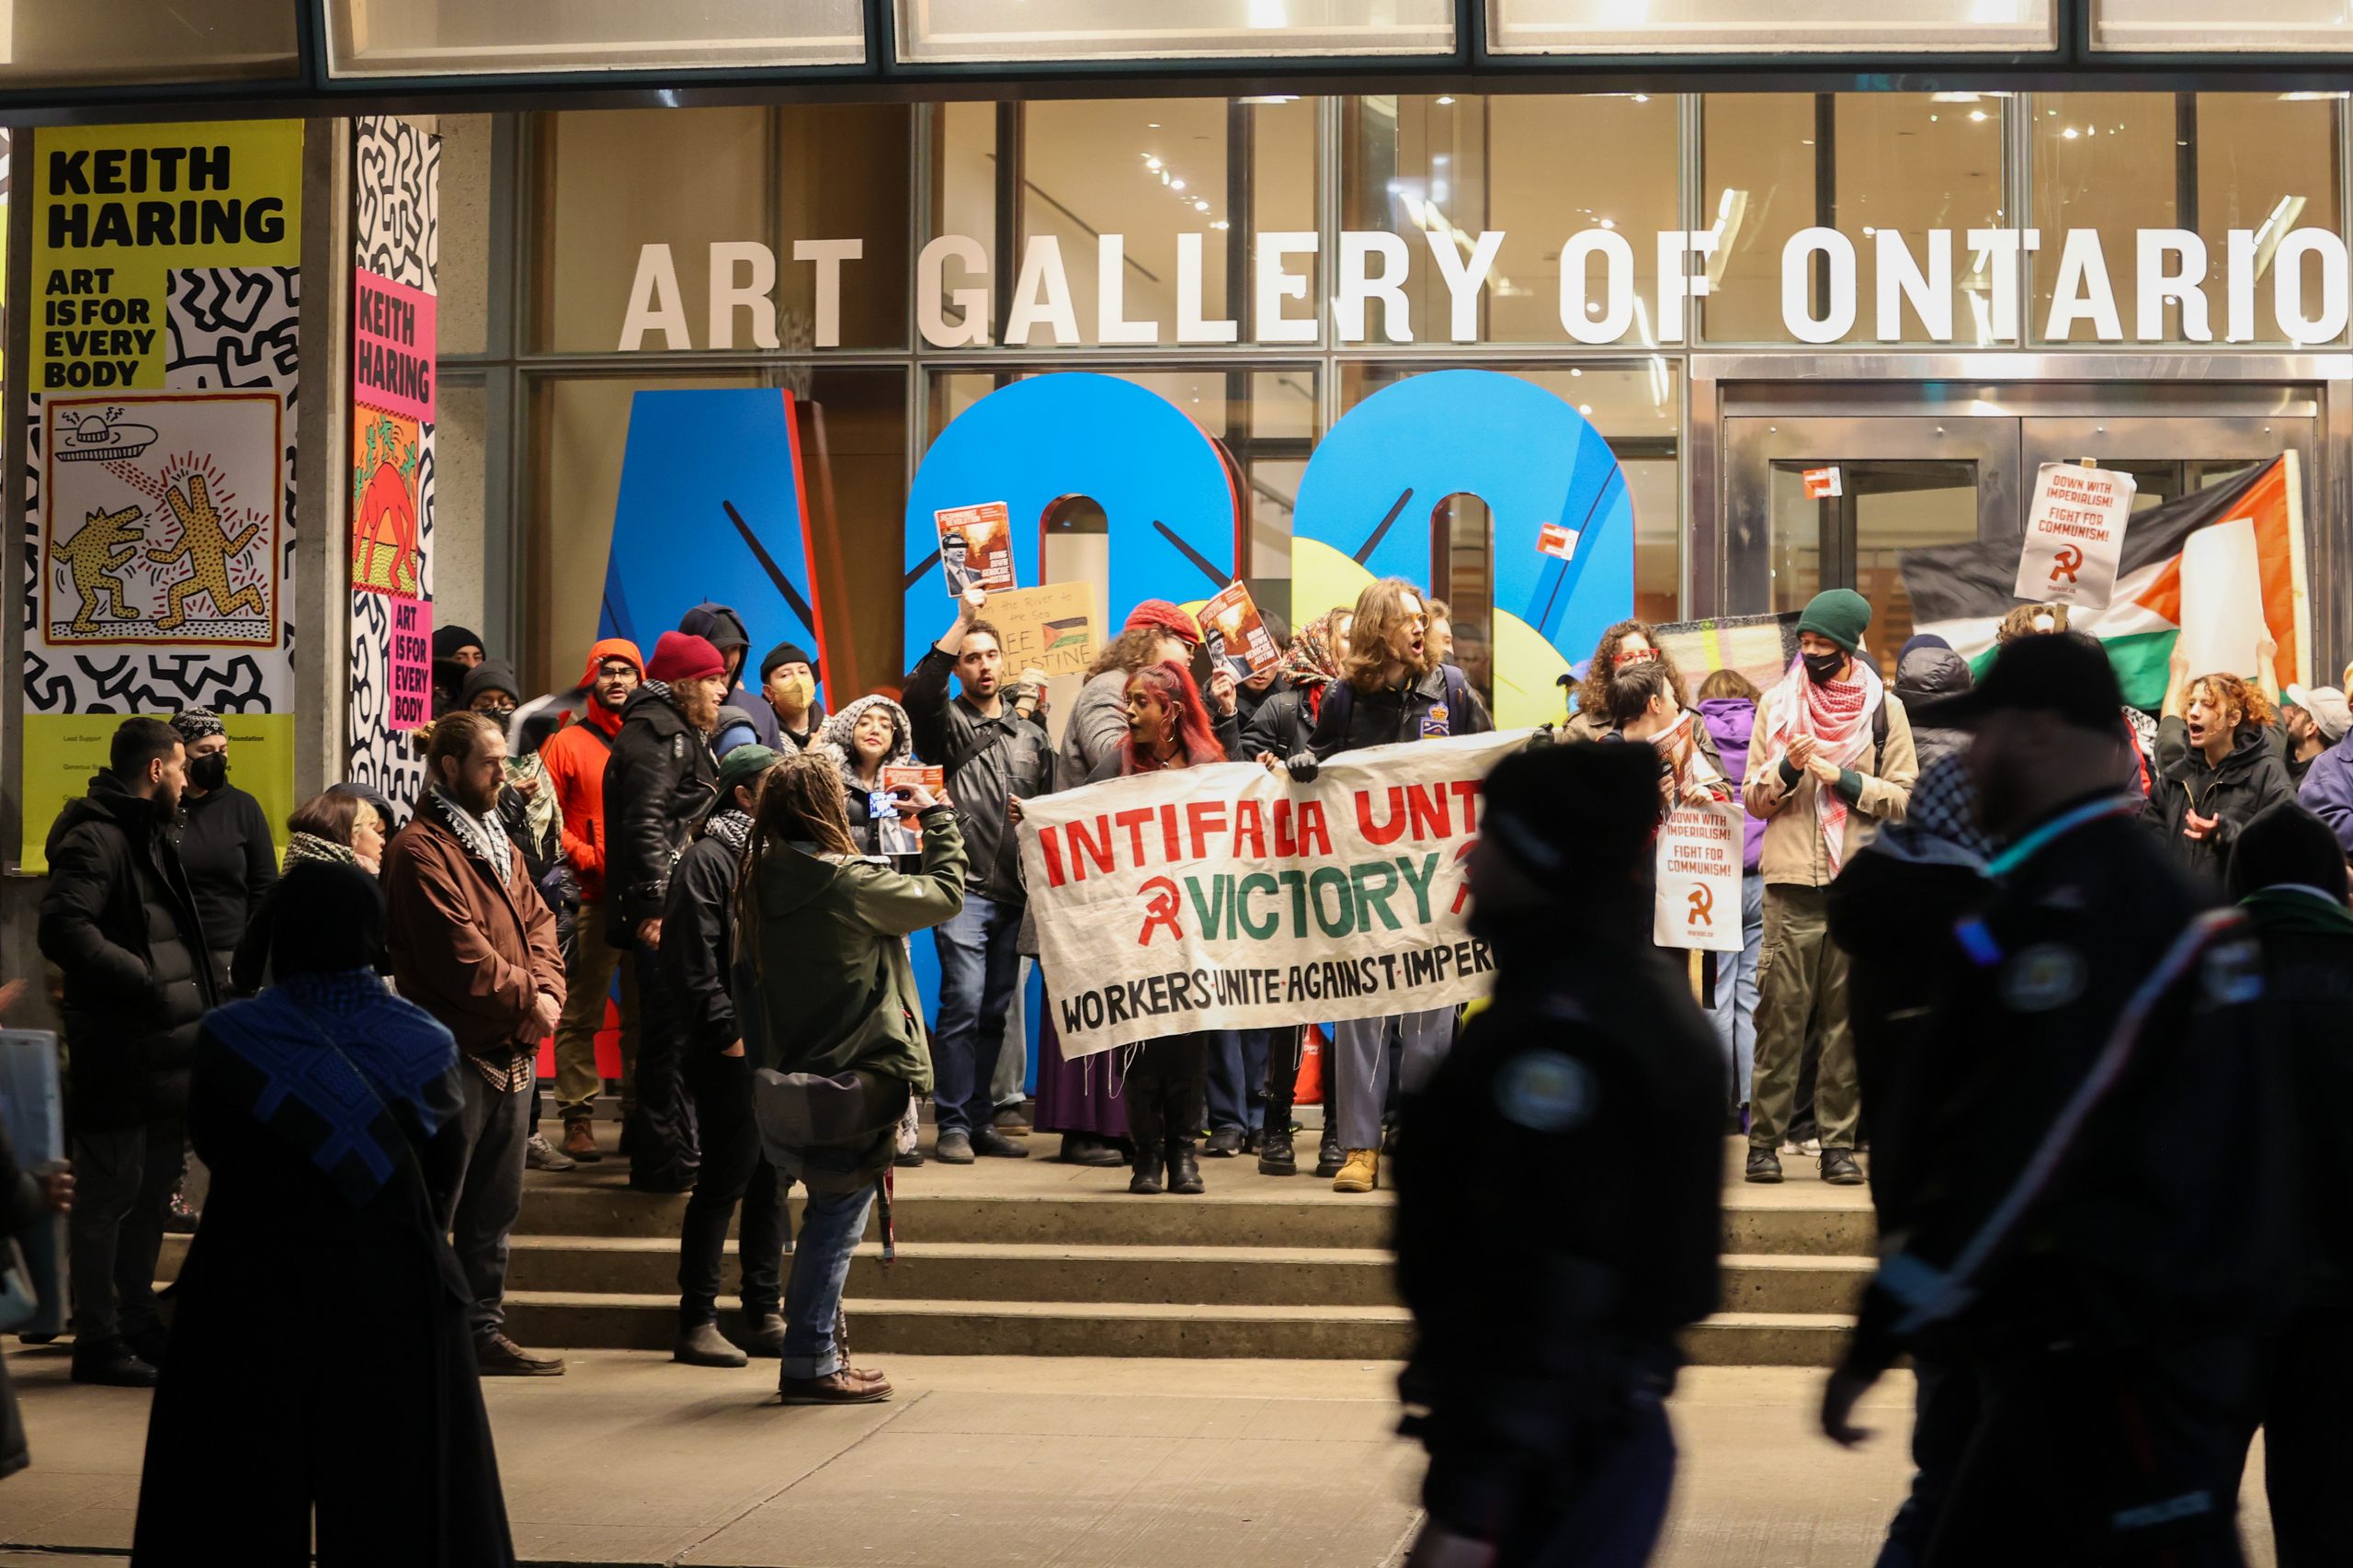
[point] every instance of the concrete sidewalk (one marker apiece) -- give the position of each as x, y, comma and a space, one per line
1006, 1463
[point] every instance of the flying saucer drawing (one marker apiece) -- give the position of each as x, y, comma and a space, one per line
103, 437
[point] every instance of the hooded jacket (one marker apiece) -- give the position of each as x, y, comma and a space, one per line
1411, 712
1729, 722
120, 919
718, 625
698, 933
2250, 776
659, 781
832, 738
575, 758
2327, 792
1007, 757
1930, 675
823, 982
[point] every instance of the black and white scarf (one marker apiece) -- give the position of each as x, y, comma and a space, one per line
731, 827
484, 836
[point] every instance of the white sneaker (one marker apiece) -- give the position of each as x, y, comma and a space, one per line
1812, 1146
542, 1155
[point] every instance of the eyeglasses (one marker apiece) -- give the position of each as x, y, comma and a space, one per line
1627, 655
497, 709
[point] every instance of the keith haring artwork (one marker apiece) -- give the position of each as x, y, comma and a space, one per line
387, 541
163, 519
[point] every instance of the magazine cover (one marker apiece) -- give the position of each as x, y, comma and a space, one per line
975, 547
1232, 631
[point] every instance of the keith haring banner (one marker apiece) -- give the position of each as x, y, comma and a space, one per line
1230, 897
160, 444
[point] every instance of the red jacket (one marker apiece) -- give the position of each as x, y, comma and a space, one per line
575, 756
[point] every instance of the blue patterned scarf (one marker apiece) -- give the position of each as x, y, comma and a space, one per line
331, 1055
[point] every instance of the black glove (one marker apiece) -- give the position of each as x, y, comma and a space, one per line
1542, 735
1302, 767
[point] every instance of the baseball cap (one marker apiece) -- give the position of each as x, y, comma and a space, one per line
2328, 708
2065, 672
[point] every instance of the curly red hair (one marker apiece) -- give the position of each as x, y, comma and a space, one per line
1197, 740
2234, 691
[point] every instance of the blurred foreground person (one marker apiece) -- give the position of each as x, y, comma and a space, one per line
330, 1114
2289, 875
1592, 1090
2098, 1229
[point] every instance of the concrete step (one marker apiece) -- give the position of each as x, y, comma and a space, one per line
1769, 1339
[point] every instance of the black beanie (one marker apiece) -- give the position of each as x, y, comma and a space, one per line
2286, 844
448, 640
786, 654
325, 918
1560, 811
490, 674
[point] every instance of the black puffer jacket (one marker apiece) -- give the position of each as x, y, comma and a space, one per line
659, 781
1017, 766
1931, 674
1282, 724
119, 920
2250, 778
699, 934
1353, 719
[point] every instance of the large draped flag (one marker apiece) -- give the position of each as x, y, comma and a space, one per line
1961, 591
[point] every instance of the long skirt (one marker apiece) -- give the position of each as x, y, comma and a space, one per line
1081, 1096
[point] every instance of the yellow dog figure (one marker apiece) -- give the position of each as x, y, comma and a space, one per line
207, 546
98, 551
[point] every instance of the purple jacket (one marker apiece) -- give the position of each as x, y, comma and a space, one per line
2328, 792
1729, 722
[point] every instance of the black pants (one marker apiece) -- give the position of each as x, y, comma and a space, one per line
2127, 1458
1602, 1509
1285, 1049
734, 1170
1163, 1091
664, 1151
123, 1180
1944, 1418
2307, 1445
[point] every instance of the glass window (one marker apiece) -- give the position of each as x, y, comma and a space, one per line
433, 38
853, 442
2114, 164
123, 41
2285, 26
461, 500
947, 31
462, 275
1890, 172
768, 201
1777, 26
1441, 170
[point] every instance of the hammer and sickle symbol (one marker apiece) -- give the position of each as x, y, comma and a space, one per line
2066, 563
1159, 909
1703, 904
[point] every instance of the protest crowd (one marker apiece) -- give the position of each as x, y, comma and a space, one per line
2062, 980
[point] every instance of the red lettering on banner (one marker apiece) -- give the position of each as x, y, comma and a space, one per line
1050, 845
1467, 791
1314, 838
1169, 840
1160, 906
1203, 818
1133, 819
1462, 853
1083, 848
1430, 816
1286, 846
1381, 833
1249, 832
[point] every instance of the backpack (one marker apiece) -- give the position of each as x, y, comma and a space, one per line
1458, 698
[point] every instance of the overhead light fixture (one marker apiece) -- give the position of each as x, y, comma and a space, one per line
1221, 223
1445, 102
1175, 185
2069, 133
1979, 114
1201, 206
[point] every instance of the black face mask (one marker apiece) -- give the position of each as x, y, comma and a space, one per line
210, 772
1823, 668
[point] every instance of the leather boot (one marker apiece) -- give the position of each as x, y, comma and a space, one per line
1183, 1167
763, 1335
1147, 1129
1145, 1183
1277, 1157
702, 1344
1329, 1155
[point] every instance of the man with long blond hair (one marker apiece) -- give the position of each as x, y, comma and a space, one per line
1390, 688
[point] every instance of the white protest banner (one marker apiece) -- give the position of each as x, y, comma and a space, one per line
1230, 897
1698, 904
2075, 535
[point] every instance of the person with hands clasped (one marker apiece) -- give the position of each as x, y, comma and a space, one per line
1831, 757
2220, 761
994, 750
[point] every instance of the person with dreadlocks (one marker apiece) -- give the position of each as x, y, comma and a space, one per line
1168, 726
699, 926
832, 1025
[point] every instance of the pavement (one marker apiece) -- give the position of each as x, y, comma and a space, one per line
1010, 1462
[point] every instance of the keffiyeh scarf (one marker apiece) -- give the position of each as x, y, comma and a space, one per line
1837, 714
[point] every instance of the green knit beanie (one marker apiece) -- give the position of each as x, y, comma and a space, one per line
1840, 614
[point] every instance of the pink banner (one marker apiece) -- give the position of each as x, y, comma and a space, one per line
408, 664
392, 345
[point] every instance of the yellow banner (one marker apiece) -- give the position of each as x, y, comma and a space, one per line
118, 208
62, 750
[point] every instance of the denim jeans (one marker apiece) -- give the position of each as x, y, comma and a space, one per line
831, 1223
978, 969
1734, 1012
1237, 1077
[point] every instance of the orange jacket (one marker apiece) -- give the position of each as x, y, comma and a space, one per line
576, 757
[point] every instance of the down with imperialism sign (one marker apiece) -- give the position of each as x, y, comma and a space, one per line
1230, 897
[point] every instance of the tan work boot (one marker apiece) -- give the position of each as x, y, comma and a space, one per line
1361, 1172
580, 1140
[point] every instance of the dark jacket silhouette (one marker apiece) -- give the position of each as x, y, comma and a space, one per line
659, 781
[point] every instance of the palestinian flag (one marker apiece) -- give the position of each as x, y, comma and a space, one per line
1068, 633
1960, 592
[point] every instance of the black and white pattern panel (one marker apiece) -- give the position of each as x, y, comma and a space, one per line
231, 329
396, 234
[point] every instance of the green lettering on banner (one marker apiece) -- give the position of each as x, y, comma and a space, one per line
1244, 919
1376, 883
1343, 920
1211, 910
1421, 884
1297, 882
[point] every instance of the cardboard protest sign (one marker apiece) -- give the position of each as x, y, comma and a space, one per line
1232, 630
1697, 904
1230, 897
1054, 628
2075, 535
895, 834
975, 547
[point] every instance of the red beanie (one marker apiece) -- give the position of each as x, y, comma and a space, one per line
680, 656
1162, 616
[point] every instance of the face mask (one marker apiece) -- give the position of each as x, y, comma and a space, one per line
1823, 668
794, 691
210, 772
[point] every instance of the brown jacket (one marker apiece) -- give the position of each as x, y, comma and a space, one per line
1793, 853
472, 948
